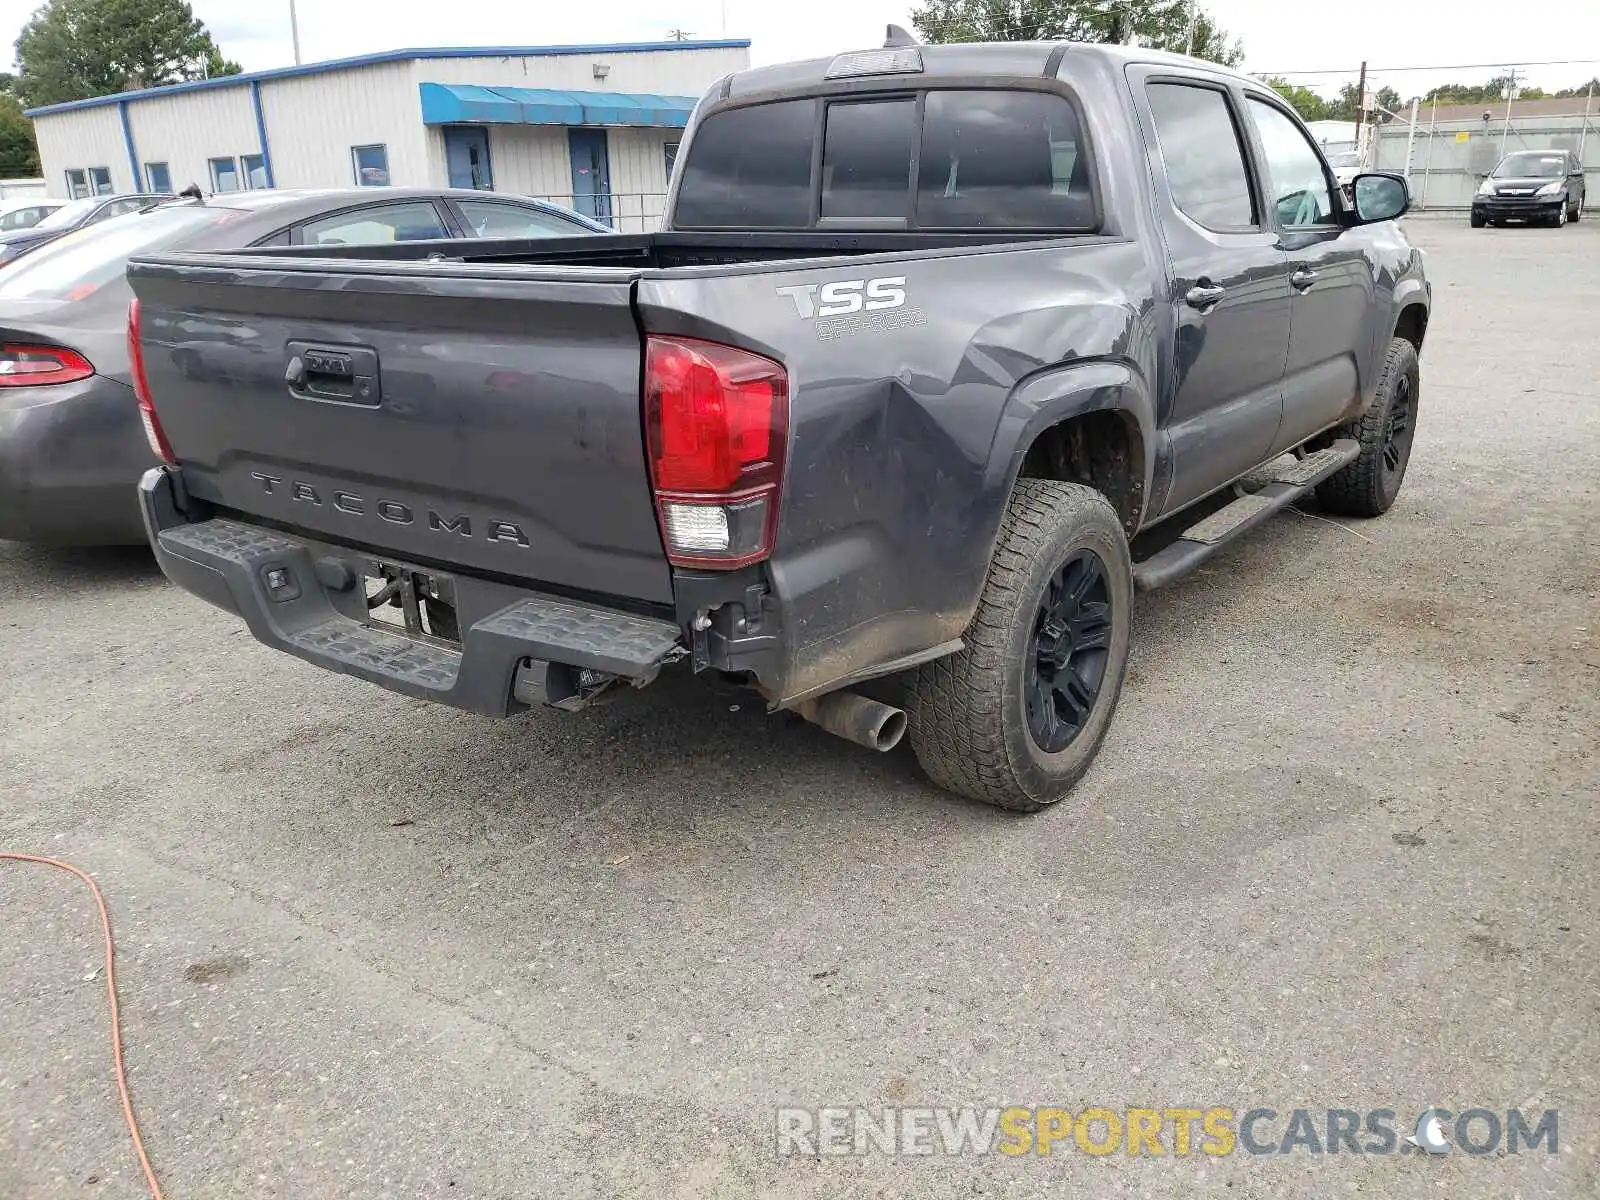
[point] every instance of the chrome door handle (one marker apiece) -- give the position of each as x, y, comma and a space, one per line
1303, 279
1203, 296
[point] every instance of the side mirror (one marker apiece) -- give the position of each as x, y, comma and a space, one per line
1380, 197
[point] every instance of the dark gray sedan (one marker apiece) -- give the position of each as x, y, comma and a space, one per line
71, 447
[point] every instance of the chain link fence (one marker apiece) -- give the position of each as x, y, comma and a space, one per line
1448, 152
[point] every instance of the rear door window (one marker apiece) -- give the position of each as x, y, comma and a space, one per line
417, 221
496, 219
866, 158
750, 168
1204, 156
1003, 159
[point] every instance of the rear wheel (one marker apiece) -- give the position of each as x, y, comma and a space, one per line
1368, 486
1017, 716
1577, 209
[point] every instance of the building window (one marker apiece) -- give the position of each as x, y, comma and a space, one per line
224, 175
671, 149
77, 184
255, 171
371, 164
158, 178
100, 181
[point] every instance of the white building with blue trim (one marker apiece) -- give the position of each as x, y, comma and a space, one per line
593, 127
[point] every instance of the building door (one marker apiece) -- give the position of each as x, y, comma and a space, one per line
591, 173
466, 154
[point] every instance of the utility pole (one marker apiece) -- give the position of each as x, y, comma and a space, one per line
1194, 17
1361, 109
294, 31
1511, 94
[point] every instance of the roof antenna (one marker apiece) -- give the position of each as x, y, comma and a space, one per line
897, 38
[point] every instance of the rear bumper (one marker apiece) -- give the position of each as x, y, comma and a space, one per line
69, 457
306, 598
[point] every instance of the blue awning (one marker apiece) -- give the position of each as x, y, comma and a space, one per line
472, 104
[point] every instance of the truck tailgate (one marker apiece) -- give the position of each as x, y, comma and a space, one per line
471, 419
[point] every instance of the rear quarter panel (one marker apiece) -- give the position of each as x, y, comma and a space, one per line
907, 423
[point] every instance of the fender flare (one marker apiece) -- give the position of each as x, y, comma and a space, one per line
1409, 293
1058, 394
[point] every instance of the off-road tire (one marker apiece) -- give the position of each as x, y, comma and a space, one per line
1368, 487
968, 711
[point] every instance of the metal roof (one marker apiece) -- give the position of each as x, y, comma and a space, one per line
387, 56
467, 103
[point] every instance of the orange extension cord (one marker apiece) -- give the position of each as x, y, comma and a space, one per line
116, 1016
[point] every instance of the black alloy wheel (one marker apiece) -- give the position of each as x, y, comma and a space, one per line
1068, 654
1399, 429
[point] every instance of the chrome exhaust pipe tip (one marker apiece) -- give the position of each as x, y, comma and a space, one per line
856, 718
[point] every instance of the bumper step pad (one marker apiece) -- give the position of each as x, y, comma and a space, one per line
342, 640
603, 639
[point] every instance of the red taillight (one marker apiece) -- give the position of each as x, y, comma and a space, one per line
718, 424
38, 366
141, 389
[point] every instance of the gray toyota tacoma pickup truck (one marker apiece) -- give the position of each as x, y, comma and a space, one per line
930, 335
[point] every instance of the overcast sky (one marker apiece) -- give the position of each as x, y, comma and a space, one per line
1385, 32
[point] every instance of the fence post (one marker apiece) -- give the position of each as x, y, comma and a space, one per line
1583, 133
1427, 167
1411, 138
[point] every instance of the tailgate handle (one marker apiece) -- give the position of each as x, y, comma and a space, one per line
340, 374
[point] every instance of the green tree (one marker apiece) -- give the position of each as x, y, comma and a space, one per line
1349, 103
19, 152
73, 49
1307, 103
1161, 24
1492, 92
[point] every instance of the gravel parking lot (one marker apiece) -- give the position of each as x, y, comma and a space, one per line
1339, 852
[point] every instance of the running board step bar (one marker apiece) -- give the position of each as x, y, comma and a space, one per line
1200, 541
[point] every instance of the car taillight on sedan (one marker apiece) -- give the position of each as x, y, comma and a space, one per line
23, 365
717, 420
141, 390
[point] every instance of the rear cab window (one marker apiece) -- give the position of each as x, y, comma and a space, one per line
958, 159
751, 168
866, 158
